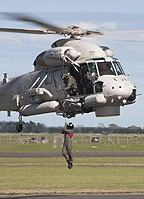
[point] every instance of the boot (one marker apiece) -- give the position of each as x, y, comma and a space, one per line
70, 165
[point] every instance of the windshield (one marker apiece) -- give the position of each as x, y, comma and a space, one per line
105, 68
118, 68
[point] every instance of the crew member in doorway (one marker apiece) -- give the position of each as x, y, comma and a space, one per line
71, 85
67, 145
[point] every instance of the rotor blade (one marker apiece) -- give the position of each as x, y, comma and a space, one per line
121, 31
93, 32
48, 26
130, 40
28, 31
53, 28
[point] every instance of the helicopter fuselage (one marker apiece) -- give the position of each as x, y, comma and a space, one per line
102, 84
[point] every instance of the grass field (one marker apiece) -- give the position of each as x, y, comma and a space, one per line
89, 175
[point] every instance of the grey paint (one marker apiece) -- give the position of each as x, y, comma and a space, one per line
35, 92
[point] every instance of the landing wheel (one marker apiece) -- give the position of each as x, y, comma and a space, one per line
19, 127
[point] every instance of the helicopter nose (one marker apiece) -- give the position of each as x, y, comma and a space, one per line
120, 87
122, 90
132, 97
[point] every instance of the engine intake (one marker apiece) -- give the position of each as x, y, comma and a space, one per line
55, 57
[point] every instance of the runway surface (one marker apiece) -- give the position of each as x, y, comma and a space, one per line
76, 154
89, 196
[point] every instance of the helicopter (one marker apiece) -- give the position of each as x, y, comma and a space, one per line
102, 85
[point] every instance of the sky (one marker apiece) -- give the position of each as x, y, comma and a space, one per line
48, 6
17, 52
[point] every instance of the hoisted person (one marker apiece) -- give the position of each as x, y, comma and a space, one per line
67, 144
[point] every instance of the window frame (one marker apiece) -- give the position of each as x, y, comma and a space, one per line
119, 66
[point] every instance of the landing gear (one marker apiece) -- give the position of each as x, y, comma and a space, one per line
19, 126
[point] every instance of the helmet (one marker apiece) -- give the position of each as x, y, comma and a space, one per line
65, 76
70, 125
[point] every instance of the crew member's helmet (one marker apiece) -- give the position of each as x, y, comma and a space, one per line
70, 125
65, 76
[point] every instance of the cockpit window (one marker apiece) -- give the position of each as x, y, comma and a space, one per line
93, 70
84, 67
105, 68
118, 68
92, 67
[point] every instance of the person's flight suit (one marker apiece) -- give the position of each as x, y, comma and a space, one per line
67, 146
71, 84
